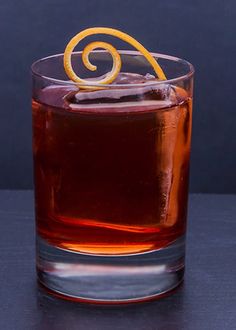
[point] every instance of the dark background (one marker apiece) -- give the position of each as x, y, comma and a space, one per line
200, 31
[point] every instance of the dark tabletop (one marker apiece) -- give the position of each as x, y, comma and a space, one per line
206, 300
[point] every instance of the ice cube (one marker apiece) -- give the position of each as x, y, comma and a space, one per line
146, 90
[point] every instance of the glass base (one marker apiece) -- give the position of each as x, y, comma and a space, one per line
110, 279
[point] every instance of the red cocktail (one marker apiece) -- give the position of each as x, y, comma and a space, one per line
111, 176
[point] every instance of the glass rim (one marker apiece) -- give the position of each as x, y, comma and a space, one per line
188, 75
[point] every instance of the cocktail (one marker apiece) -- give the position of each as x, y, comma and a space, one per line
111, 160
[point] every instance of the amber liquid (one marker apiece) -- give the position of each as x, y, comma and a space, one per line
111, 182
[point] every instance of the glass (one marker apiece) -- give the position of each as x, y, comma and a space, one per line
111, 171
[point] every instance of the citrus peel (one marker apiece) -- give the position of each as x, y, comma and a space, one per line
111, 76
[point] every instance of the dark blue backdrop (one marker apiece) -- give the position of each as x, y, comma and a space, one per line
200, 31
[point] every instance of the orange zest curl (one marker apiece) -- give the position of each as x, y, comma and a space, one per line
111, 76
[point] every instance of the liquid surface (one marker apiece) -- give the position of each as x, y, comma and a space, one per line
111, 167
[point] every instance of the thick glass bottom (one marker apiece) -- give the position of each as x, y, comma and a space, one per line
110, 279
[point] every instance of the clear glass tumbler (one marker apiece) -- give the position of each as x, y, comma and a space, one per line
111, 168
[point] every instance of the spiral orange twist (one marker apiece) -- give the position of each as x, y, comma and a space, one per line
111, 76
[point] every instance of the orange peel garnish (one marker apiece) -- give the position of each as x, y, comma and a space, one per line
111, 76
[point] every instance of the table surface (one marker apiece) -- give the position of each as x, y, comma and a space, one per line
206, 300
